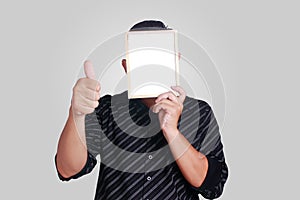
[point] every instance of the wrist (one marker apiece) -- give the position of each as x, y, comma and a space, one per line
170, 134
76, 115
78, 122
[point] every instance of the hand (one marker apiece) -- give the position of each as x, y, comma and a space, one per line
169, 108
86, 92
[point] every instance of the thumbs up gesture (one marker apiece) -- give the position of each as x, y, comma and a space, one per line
86, 92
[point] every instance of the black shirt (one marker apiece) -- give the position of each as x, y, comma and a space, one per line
136, 162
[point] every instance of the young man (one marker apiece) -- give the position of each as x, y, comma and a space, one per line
167, 147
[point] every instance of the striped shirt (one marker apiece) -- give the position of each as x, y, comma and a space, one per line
136, 161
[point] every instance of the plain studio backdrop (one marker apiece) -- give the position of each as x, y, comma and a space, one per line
254, 44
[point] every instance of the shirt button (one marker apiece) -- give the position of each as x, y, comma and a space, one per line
150, 157
149, 178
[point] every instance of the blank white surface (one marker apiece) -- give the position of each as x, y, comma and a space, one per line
155, 50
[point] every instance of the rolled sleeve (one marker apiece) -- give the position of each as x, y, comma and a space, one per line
88, 167
211, 146
213, 184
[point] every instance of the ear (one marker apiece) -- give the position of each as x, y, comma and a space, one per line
124, 65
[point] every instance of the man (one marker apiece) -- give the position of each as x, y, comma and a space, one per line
167, 147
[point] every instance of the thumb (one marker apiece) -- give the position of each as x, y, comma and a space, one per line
89, 70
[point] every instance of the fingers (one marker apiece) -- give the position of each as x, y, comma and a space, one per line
181, 93
170, 95
83, 105
82, 110
168, 113
89, 84
169, 102
166, 105
86, 92
167, 95
90, 94
87, 102
89, 70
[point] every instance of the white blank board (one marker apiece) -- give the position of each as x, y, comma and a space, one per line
152, 62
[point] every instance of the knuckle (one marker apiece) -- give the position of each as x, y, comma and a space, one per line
75, 105
96, 103
94, 84
180, 107
76, 93
73, 102
75, 88
80, 81
90, 110
95, 96
98, 85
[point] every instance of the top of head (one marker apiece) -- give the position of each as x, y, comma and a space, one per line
149, 25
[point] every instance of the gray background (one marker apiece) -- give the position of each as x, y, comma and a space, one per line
255, 45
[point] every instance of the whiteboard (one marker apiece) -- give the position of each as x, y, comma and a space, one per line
152, 62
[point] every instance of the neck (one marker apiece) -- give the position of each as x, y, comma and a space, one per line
148, 101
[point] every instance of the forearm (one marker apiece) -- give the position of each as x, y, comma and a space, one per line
72, 151
192, 163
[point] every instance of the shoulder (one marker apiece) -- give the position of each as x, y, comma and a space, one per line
108, 100
117, 97
191, 103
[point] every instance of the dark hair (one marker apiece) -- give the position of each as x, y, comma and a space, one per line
148, 25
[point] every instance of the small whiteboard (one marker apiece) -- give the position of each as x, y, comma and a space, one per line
152, 62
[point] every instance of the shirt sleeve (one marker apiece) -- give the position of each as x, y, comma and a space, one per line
88, 167
211, 146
